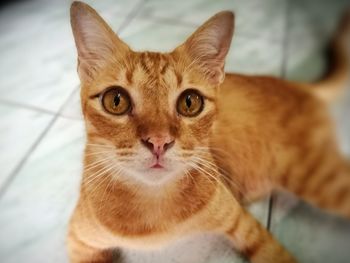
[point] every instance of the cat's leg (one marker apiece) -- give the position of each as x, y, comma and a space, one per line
79, 252
322, 179
254, 241
227, 216
84, 240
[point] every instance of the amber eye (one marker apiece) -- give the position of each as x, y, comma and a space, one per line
116, 101
190, 103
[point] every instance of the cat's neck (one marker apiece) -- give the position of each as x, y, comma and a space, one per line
139, 205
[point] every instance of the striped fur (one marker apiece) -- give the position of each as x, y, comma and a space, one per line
255, 134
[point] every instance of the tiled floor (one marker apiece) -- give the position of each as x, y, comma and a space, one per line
42, 133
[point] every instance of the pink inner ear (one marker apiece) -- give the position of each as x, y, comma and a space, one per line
96, 42
209, 45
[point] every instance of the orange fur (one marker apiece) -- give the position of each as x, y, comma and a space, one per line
255, 134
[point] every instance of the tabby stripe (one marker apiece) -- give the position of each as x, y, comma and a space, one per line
178, 78
129, 76
253, 238
323, 181
341, 195
164, 69
311, 171
253, 249
144, 64
285, 177
235, 225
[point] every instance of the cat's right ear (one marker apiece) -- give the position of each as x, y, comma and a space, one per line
96, 43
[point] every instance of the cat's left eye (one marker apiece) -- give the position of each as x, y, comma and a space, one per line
190, 103
116, 101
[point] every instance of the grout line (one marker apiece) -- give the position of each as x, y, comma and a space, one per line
26, 106
136, 9
269, 215
283, 75
23, 161
36, 109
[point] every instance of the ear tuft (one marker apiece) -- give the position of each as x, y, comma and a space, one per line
208, 46
96, 42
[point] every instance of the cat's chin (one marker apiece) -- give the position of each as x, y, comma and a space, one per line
154, 176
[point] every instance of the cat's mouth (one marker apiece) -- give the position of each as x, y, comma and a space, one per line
154, 169
157, 166
157, 162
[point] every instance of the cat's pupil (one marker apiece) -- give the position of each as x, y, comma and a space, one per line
117, 100
188, 101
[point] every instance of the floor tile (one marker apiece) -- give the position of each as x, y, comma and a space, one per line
315, 17
311, 25
19, 129
36, 207
72, 109
310, 234
44, 53
247, 55
255, 17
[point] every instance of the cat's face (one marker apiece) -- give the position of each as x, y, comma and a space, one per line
148, 105
148, 115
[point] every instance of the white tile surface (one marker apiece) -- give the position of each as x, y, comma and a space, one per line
254, 17
247, 55
19, 129
38, 64
36, 208
311, 234
72, 109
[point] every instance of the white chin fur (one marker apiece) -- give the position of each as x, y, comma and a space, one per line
154, 177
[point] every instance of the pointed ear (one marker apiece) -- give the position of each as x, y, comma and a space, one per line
96, 43
208, 46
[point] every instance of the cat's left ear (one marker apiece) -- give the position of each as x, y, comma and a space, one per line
96, 42
208, 46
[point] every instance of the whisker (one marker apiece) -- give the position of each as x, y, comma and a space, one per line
118, 170
96, 163
223, 173
216, 179
97, 153
95, 175
197, 167
100, 145
104, 179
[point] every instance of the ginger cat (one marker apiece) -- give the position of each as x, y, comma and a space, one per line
175, 146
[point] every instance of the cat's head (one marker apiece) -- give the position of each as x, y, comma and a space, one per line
149, 115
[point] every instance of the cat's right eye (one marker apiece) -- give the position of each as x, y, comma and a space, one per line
116, 101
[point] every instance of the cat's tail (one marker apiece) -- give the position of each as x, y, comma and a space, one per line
333, 83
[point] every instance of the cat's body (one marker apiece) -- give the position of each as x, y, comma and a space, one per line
269, 139
174, 149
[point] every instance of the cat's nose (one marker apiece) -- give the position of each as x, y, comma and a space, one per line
158, 144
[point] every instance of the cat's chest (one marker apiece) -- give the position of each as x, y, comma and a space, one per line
139, 221
149, 231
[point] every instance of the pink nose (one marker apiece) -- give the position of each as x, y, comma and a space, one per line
158, 144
